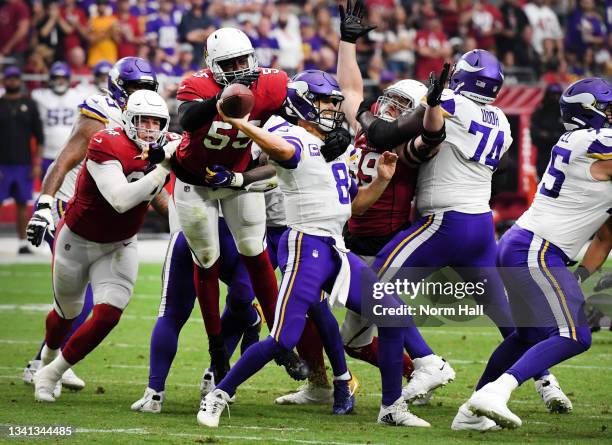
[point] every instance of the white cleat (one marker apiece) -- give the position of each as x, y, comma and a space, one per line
30, 370
151, 402
553, 396
207, 384
491, 402
398, 415
430, 372
47, 386
308, 394
211, 408
423, 400
467, 420
71, 381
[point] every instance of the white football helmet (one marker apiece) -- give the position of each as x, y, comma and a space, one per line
225, 44
404, 96
143, 103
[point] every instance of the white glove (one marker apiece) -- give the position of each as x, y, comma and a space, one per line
41, 221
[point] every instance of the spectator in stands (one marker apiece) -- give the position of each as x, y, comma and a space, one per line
195, 27
14, 27
186, 62
265, 44
432, 48
514, 21
142, 10
485, 25
546, 132
161, 63
325, 27
556, 72
311, 44
103, 34
52, 28
19, 123
129, 30
329, 60
77, 19
545, 25
287, 34
586, 30
77, 62
162, 29
525, 55
36, 64
399, 44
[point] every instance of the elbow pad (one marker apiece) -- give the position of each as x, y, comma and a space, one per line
416, 156
193, 115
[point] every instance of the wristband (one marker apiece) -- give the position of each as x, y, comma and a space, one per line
237, 180
582, 273
46, 199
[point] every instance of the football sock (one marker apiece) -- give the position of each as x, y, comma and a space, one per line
48, 355
544, 355
310, 349
249, 363
164, 343
59, 366
207, 290
329, 332
390, 349
508, 352
415, 343
57, 329
263, 280
91, 333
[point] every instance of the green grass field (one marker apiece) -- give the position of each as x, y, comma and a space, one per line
116, 375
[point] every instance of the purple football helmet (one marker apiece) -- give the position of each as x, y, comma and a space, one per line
130, 73
305, 89
59, 77
587, 103
102, 67
478, 75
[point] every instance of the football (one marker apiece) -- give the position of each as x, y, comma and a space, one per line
237, 100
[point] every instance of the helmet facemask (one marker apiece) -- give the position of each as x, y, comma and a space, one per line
225, 77
59, 84
392, 105
329, 119
144, 134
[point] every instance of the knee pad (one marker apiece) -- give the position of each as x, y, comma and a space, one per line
583, 336
251, 246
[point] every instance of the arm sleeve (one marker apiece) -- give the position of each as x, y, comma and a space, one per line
115, 188
193, 115
383, 135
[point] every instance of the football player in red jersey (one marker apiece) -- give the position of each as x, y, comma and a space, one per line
210, 143
96, 240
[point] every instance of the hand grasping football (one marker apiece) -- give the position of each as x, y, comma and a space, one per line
237, 100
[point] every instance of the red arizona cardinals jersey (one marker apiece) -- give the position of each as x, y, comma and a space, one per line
392, 210
217, 142
89, 214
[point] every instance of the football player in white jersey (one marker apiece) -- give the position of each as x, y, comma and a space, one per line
58, 109
574, 199
312, 254
95, 113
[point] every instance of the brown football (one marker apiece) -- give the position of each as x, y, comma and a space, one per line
237, 100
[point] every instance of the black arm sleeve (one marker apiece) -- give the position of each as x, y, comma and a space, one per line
195, 114
384, 135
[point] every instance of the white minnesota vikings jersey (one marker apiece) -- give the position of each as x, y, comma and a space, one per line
101, 108
459, 176
570, 204
317, 194
58, 114
275, 204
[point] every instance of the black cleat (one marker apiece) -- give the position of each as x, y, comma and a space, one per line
296, 367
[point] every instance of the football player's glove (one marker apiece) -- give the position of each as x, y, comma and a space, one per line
436, 86
41, 221
219, 176
351, 22
336, 143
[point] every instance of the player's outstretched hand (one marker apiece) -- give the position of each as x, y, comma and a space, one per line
246, 79
436, 86
386, 165
219, 176
40, 223
336, 143
365, 105
235, 121
154, 153
351, 22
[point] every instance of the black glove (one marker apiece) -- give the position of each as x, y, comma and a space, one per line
247, 79
436, 86
351, 22
336, 143
156, 153
364, 106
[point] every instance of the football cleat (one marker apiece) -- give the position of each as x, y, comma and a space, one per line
430, 372
553, 396
151, 402
398, 415
308, 394
207, 384
47, 385
294, 365
491, 401
71, 381
423, 400
467, 420
344, 396
211, 408
30, 370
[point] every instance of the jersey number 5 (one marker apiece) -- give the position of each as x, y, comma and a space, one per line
557, 173
221, 133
